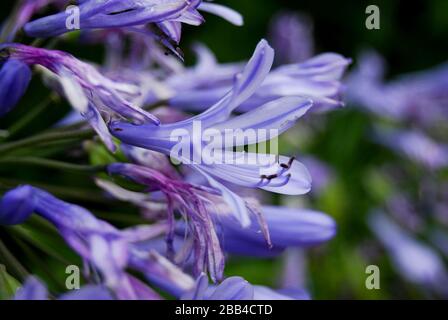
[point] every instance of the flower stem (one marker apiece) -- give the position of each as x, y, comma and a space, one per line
29, 116
9, 259
45, 138
52, 164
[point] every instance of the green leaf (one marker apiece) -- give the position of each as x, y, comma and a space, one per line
8, 284
98, 154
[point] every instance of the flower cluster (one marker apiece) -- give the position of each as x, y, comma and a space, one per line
195, 215
410, 120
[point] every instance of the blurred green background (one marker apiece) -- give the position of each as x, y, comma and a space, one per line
413, 36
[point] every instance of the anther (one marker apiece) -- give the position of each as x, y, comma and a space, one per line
289, 164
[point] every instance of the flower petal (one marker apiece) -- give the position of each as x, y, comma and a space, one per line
14, 79
224, 12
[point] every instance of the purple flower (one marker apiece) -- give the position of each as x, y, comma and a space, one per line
98, 243
89, 92
236, 288
288, 227
271, 229
200, 87
34, 289
14, 79
420, 97
162, 272
404, 210
415, 261
286, 175
17, 205
203, 208
292, 37
166, 14
111, 14
416, 146
233, 288
190, 200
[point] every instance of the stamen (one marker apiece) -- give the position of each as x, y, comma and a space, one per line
289, 164
263, 182
283, 183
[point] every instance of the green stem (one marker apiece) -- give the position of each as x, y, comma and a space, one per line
29, 116
45, 138
9, 23
52, 164
8, 258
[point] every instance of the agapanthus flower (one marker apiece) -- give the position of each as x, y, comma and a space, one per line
402, 207
168, 15
286, 175
100, 244
237, 288
415, 261
288, 228
419, 97
200, 87
291, 36
416, 146
89, 92
15, 76
34, 289
190, 200
208, 222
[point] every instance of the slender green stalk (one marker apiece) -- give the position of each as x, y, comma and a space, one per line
52, 164
36, 259
45, 138
26, 235
29, 116
9, 24
13, 263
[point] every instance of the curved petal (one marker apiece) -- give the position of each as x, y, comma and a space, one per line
17, 205
32, 289
224, 12
236, 203
288, 227
275, 116
285, 176
14, 79
88, 292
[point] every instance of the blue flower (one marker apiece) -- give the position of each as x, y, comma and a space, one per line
166, 14
90, 93
420, 97
415, 145
237, 288
415, 261
292, 37
190, 200
34, 289
199, 87
286, 176
288, 227
101, 244
14, 79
